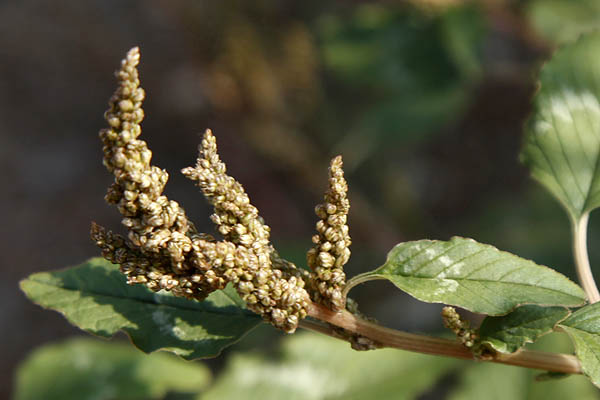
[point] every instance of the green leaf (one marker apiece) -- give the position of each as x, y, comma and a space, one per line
525, 324
474, 276
562, 142
91, 369
95, 297
318, 367
584, 329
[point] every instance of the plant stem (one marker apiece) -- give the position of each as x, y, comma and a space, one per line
582, 262
387, 337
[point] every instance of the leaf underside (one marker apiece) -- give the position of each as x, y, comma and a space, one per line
562, 141
583, 326
474, 276
95, 297
525, 324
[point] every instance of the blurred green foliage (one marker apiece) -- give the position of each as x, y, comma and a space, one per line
402, 74
306, 366
493, 381
310, 366
90, 369
563, 20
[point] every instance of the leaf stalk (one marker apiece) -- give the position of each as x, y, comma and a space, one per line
357, 280
582, 262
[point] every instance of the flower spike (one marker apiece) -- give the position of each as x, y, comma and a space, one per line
163, 250
159, 251
332, 242
280, 298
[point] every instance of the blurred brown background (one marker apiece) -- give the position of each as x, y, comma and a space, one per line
424, 99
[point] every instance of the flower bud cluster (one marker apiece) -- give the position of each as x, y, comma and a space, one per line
277, 294
163, 250
461, 328
331, 250
155, 271
156, 224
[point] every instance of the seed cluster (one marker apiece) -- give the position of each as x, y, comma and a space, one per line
277, 294
163, 250
331, 250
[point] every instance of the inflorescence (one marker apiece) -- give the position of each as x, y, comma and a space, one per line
461, 328
163, 249
332, 242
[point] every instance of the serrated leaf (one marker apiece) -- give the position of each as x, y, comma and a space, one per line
90, 369
474, 276
525, 324
583, 326
562, 142
314, 367
95, 297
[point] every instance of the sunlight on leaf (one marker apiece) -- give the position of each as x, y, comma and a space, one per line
474, 276
562, 142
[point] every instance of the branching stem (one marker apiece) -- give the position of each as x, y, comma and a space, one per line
387, 337
582, 262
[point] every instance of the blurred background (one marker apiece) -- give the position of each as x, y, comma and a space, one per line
425, 100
